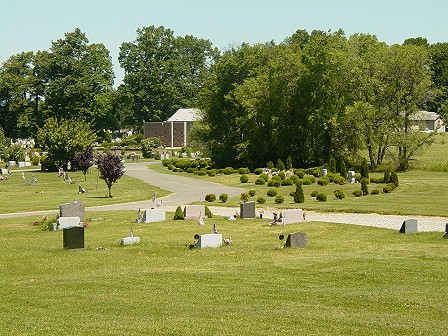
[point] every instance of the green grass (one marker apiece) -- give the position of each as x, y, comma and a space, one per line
50, 191
349, 280
420, 193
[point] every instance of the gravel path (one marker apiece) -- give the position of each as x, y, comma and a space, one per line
186, 190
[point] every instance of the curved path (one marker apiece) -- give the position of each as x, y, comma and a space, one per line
187, 190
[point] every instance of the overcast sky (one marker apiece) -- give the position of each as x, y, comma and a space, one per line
31, 25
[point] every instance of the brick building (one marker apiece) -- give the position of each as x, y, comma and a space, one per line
173, 132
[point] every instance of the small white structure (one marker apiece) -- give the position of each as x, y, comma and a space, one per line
292, 216
64, 222
209, 240
425, 121
153, 215
130, 241
194, 211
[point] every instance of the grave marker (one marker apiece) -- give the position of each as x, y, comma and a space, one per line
209, 240
153, 215
193, 211
409, 226
73, 237
351, 176
247, 210
296, 239
74, 209
65, 222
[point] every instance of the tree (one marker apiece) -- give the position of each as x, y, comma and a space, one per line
365, 169
299, 196
163, 72
84, 160
62, 139
111, 169
4, 142
288, 165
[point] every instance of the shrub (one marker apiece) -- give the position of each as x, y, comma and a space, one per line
375, 192
386, 177
210, 197
202, 172
271, 192
388, 188
270, 165
280, 165
191, 170
394, 179
339, 194
211, 172
244, 197
35, 160
288, 164
358, 177
312, 178
244, 178
357, 193
314, 193
261, 200
364, 169
157, 156
377, 179
282, 175
323, 181
343, 170
307, 181
338, 179
299, 172
274, 183
264, 176
364, 187
260, 181
223, 197
243, 171
251, 192
321, 197
228, 171
287, 182
258, 171
208, 213
295, 179
279, 199
179, 214
166, 162
299, 196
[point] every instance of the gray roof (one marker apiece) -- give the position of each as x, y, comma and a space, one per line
424, 115
186, 114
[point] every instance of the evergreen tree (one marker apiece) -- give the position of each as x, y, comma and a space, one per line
364, 169
299, 196
288, 162
364, 187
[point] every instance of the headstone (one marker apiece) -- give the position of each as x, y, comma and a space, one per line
292, 216
247, 210
27, 158
351, 176
65, 222
153, 215
130, 241
11, 163
209, 240
33, 179
296, 239
66, 176
21, 164
324, 172
4, 171
409, 226
72, 209
194, 211
73, 237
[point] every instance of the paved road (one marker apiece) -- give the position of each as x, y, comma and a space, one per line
187, 190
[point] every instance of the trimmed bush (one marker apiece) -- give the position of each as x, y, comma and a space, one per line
210, 198
375, 192
223, 197
321, 197
287, 182
323, 181
208, 213
179, 214
307, 181
279, 199
211, 172
243, 171
166, 162
270, 165
280, 165
227, 171
299, 196
299, 172
357, 193
261, 200
251, 192
271, 192
244, 178
364, 169
191, 170
282, 175
202, 172
314, 193
265, 177
394, 179
260, 181
258, 171
312, 178
244, 197
386, 177
377, 180
364, 186
274, 183
388, 188
339, 194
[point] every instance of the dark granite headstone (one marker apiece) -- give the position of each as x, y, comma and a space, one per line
409, 226
73, 237
247, 210
75, 209
296, 239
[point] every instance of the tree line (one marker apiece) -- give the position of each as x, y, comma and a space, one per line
313, 96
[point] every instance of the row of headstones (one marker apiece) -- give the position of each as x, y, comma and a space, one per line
20, 164
350, 174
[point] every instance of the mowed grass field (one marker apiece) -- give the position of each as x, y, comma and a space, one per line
51, 190
349, 280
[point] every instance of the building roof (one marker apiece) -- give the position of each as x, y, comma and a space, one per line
186, 114
424, 115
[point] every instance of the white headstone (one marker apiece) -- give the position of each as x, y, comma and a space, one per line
209, 240
292, 215
194, 211
153, 215
351, 176
130, 241
64, 222
324, 172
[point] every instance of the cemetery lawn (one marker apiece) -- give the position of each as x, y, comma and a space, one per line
51, 190
349, 280
419, 193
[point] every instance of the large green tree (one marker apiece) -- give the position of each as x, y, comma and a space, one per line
163, 72
63, 139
